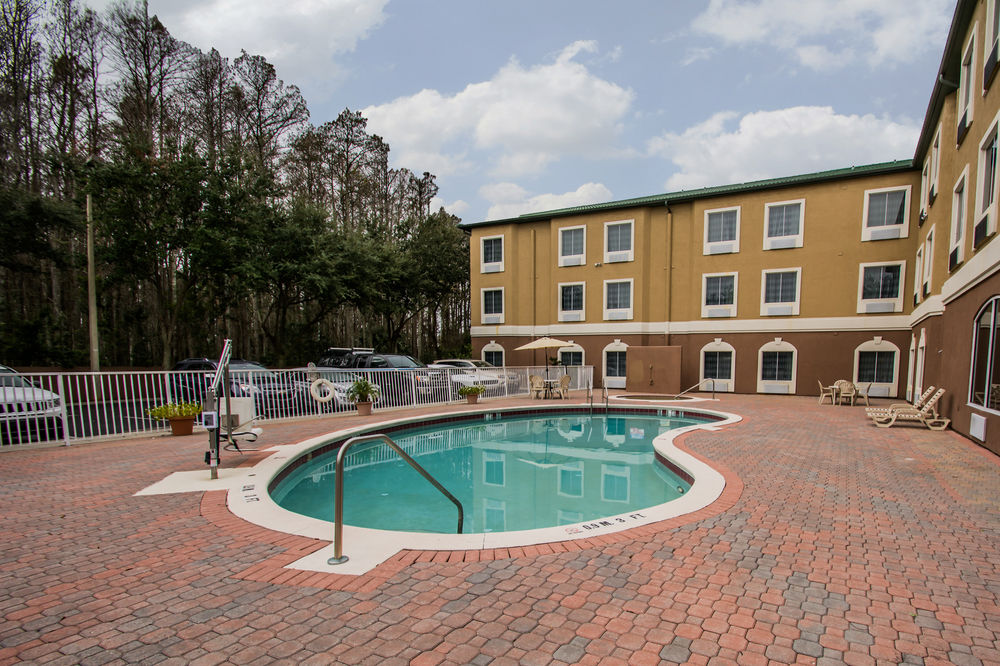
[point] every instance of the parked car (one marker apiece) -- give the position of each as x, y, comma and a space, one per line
474, 371
419, 384
272, 393
27, 412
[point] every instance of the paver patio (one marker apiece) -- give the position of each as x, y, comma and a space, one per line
836, 542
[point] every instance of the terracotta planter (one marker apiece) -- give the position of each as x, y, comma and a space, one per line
364, 409
472, 398
182, 425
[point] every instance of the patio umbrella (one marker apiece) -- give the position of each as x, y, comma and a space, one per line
544, 343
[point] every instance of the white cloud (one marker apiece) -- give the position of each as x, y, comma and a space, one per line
769, 144
521, 120
888, 31
510, 200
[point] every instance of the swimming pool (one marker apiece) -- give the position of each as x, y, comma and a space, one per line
511, 473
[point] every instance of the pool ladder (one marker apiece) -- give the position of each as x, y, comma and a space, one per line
338, 502
590, 397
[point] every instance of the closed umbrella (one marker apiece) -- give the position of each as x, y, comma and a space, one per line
544, 343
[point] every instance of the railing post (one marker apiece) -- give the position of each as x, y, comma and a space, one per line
62, 408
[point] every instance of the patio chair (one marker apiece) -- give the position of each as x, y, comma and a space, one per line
846, 391
863, 393
872, 412
926, 415
563, 388
826, 392
537, 386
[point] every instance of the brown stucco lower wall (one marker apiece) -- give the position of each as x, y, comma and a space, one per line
949, 359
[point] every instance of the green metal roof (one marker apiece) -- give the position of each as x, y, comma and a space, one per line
707, 192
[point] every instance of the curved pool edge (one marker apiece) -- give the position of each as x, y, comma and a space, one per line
367, 548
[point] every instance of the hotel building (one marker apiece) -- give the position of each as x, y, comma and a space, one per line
886, 274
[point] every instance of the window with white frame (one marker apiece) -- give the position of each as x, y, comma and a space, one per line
935, 165
886, 213
783, 224
492, 306
572, 246
880, 287
618, 299
718, 295
776, 363
918, 270
492, 254
615, 357
722, 231
925, 177
876, 362
571, 301
984, 382
779, 292
910, 360
990, 55
618, 241
570, 355
718, 360
966, 84
493, 354
615, 482
928, 262
959, 205
985, 220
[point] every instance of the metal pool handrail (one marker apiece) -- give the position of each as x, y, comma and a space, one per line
707, 379
338, 503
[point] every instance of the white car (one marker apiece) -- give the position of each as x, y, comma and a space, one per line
27, 412
472, 371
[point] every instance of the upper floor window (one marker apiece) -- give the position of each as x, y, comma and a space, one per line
618, 299
959, 205
719, 295
571, 301
572, 246
783, 226
918, 270
722, 231
886, 213
492, 306
965, 84
881, 287
992, 32
985, 222
492, 256
618, 237
780, 292
928, 261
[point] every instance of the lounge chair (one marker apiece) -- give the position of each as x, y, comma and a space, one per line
927, 415
563, 388
825, 392
846, 391
537, 386
917, 404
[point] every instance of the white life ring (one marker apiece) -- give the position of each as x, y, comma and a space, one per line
321, 390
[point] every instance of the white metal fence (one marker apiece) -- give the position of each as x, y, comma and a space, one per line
71, 406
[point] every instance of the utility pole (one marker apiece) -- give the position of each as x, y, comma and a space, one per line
95, 354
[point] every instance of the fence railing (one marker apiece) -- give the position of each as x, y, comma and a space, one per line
73, 406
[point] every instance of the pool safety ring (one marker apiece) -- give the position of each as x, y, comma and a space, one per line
321, 390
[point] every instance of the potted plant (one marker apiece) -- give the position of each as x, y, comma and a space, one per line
362, 392
179, 414
471, 392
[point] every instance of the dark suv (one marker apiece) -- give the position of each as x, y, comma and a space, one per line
420, 384
272, 394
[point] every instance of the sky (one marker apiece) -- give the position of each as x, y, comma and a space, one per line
527, 105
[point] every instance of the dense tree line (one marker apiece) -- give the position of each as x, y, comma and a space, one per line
219, 210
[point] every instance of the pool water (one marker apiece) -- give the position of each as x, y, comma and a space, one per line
516, 473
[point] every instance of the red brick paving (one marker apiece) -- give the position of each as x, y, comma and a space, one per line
835, 542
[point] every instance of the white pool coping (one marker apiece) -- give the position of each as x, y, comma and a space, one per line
366, 548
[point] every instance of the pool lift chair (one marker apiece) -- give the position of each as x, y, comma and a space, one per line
233, 414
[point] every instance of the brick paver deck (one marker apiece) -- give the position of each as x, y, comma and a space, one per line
838, 542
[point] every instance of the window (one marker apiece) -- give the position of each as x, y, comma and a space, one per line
886, 214
783, 227
928, 261
776, 367
571, 479
719, 295
925, 176
722, 231
618, 241
965, 84
985, 222
572, 246
880, 287
618, 299
918, 270
615, 483
990, 52
717, 363
984, 389
492, 257
492, 306
935, 165
493, 468
571, 301
571, 358
780, 292
493, 354
959, 203
614, 364
876, 363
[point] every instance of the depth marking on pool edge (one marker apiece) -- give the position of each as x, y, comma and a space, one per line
598, 524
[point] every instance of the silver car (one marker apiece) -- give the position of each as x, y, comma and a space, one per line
28, 412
